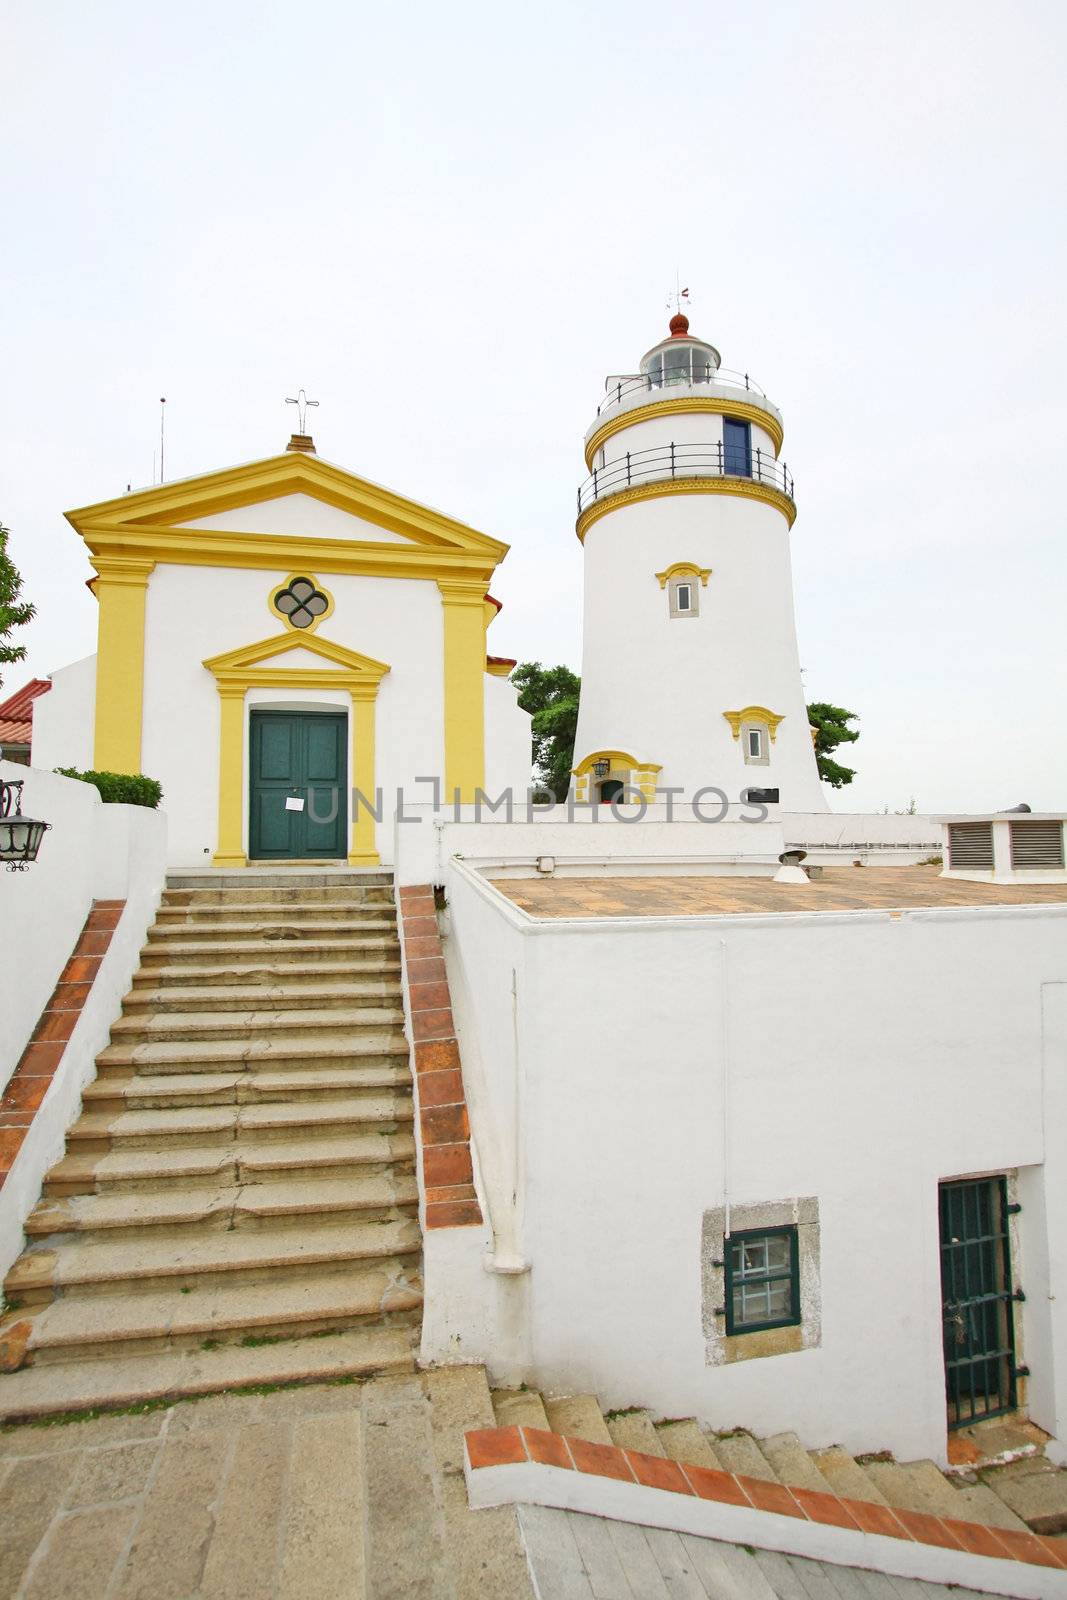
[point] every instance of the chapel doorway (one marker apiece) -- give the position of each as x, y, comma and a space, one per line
610, 789
298, 786
977, 1300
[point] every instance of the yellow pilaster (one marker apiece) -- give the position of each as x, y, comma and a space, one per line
463, 601
364, 852
230, 851
121, 586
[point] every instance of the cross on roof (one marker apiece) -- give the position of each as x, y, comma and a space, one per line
301, 402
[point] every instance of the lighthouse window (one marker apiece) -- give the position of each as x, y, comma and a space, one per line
680, 364
754, 744
683, 597
737, 448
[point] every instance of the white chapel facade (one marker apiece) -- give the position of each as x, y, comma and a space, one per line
284, 646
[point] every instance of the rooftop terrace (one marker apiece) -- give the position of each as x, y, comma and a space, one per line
839, 889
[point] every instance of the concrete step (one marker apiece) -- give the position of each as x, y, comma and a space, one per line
634, 1430
1034, 1489
914, 1485
341, 993
371, 1048
249, 1162
251, 879
844, 1477
83, 1385
268, 921
121, 1090
791, 1463
103, 1326
139, 1130
739, 1453
982, 1504
180, 903
200, 1026
279, 895
229, 1206
284, 947
578, 1415
189, 1260
268, 973
521, 1408
683, 1440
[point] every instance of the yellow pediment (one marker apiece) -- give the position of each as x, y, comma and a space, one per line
264, 663
174, 522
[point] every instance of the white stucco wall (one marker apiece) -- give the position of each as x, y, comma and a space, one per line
655, 686
869, 1056
508, 740
63, 718
689, 428
92, 852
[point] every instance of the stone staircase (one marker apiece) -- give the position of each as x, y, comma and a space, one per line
1030, 1492
237, 1204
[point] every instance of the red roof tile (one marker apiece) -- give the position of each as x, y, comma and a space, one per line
19, 706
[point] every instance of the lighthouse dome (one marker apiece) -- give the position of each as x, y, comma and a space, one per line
680, 358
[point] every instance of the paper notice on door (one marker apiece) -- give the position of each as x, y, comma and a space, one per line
293, 804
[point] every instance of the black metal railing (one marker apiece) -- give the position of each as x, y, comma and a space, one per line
712, 460
651, 383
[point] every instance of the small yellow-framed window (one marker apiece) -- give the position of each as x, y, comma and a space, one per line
683, 582
301, 602
755, 728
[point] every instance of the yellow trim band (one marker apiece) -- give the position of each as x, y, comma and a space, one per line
665, 408
463, 605
619, 761
237, 671
769, 720
743, 488
121, 588
684, 569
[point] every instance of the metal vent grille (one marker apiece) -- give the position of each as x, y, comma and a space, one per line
1037, 844
970, 846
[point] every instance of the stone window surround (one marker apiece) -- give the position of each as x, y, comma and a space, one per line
764, 759
722, 1348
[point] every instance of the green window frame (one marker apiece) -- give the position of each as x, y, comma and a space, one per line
762, 1279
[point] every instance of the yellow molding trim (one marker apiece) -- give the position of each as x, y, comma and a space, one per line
499, 669
743, 488
237, 671
289, 581
463, 605
619, 759
719, 406
685, 569
769, 720
232, 488
120, 589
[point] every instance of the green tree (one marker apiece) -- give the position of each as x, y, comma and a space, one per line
14, 613
831, 724
550, 694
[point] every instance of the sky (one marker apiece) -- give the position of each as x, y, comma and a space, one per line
449, 223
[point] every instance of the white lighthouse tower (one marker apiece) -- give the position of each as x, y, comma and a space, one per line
690, 672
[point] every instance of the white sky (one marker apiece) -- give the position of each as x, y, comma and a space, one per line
450, 222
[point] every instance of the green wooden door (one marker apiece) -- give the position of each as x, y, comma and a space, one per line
302, 756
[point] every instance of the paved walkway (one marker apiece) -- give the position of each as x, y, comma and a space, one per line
839, 889
345, 1492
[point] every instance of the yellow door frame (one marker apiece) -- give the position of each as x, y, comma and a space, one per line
240, 670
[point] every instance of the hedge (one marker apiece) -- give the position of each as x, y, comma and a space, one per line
120, 788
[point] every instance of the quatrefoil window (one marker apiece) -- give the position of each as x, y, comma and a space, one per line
300, 603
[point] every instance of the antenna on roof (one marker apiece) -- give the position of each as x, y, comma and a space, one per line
680, 297
162, 416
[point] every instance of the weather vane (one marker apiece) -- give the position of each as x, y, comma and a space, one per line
301, 402
679, 298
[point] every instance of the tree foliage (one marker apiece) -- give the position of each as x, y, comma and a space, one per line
550, 694
831, 724
120, 788
14, 612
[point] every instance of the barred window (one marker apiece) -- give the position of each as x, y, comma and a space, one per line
762, 1280
300, 603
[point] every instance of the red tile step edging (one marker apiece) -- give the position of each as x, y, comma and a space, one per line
447, 1173
533, 1448
29, 1082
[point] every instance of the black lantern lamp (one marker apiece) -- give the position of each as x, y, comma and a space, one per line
20, 837
601, 769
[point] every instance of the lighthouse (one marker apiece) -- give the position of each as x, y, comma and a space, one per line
690, 671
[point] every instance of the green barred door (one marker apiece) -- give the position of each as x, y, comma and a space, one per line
977, 1300
298, 786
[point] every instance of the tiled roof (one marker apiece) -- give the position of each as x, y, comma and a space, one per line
14, 732
19, 705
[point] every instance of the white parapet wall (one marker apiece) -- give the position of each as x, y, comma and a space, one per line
91, 852
630, 1080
